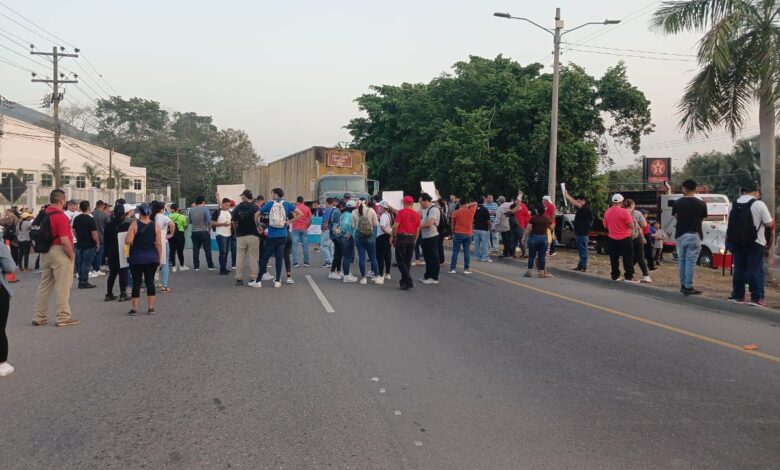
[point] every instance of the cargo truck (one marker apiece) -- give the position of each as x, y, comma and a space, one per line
316, 174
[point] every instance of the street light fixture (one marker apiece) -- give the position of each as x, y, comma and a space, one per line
557, 32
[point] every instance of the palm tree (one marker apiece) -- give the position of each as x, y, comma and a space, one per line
739, 65
56, 173
116, 180
91, 171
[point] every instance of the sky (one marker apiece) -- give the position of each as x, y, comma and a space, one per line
288, 71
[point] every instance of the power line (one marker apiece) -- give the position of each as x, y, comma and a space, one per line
13, 64
629, 50
23, 56
629, 55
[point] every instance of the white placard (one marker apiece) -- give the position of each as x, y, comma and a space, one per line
520, 196
314, 229
120, 239
430, 188
565, 194
231, 191
394, 198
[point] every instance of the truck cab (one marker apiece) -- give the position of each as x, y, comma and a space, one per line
337, 185
714, 227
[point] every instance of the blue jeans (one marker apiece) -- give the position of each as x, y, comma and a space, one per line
326, 245
223, 243
165, 268
481, 244
582, 249
366, 246
98, 260
302, 237
688, 249
537, 246
458, 240
493, 240
748, 269
347, 254
201, 239
85, 257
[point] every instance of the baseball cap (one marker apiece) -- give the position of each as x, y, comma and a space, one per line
617, 197
26, 215
351, 203
408, 200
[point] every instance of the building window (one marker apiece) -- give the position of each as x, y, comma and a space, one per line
64, 180
125, 183
28, 177
96, 182
46, 180
137, 185
81, 182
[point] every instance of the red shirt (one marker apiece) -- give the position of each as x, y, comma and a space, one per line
408, 221
523, 216
60, 225
549, 211
304, 222
618, 221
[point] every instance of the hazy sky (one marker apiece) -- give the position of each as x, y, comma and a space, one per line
287, 71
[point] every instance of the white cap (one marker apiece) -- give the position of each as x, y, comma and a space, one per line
351, 203
617, 197
129, 207
384, 204
547, 198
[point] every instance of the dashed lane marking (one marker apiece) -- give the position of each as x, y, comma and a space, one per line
324, 301
612, 311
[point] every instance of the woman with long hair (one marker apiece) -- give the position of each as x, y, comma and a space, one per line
365, 242
536, 232
145, 242
121, 218
167, 228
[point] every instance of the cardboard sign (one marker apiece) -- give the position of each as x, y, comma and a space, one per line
565, 194
393, 198
231, 191
120, 240
430, 188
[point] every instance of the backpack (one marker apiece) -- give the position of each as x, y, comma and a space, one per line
741, 230
345, 224
40, 233
277, 216
334, 223
9, 232
365, 227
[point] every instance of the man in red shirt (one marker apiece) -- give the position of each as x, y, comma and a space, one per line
618, 222
549, 211
523, 216
300, 233
56, 265
405, 232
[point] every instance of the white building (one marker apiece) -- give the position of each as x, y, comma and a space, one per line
31, 148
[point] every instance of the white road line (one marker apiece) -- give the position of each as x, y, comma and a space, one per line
328, 307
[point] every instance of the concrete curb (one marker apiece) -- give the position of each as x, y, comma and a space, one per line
667, 295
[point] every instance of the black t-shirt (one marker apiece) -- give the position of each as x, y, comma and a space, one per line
690, 212
482, 219
244, 217
83, 226
583, 219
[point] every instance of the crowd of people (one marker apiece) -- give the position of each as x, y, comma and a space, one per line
140, 245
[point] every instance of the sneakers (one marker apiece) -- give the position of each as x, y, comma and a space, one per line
6, 369
224, 273
68, 322
686, 291
452, 271
296, 265
379, 280
255, 284
528, 273
631, 281
133, 312
183, 268
758, 303
290, 280
363, 281
467, 271
123, 297
109, 298
306, 265
277, 284
350, 278
267, 277
210, 269
335, 275
736, 300
195, 269
86, 285
92, 274
239, 282
430, 281
647, 280
40, 322
388, 277
174, 269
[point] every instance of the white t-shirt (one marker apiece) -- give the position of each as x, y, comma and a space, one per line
162, 221
761, 217
224, 216
385, 224
431, 213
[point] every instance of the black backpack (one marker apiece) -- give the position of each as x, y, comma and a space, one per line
741, 230
40, 233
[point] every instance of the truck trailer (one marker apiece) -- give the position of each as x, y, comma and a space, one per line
316, 174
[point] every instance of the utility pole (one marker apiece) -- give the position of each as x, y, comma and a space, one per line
178, 174
557, 33
55, 82
553, 165
110, 161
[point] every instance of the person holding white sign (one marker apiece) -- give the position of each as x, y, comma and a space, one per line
121, 217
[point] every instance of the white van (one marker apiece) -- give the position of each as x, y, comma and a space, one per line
714, 227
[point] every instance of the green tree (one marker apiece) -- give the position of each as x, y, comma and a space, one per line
485, 128
91, 172
739, 66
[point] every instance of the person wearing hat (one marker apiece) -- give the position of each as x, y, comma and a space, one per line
247, 238
406, 229
618, 223
23, 236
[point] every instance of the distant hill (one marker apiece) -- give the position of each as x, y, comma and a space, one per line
37, 118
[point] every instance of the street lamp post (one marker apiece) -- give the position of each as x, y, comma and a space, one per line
556, 33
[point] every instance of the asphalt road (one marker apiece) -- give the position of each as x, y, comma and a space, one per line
488, 371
